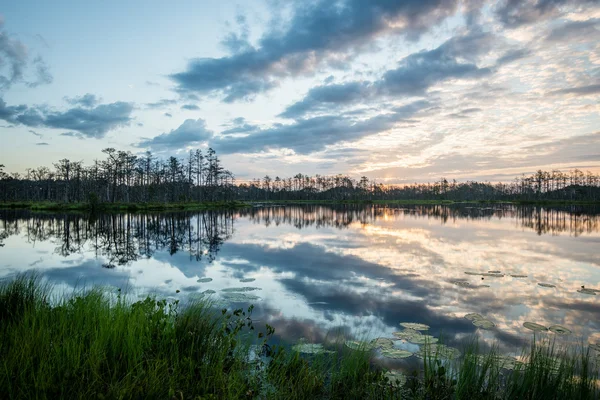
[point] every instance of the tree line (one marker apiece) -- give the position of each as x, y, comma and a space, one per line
128, 178
124, 177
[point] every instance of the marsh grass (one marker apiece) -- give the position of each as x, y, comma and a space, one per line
93, 344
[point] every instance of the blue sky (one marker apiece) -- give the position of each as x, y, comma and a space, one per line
399, 91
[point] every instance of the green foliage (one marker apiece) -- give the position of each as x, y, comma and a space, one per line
95, 344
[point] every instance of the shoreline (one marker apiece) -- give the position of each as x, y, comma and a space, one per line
237, 204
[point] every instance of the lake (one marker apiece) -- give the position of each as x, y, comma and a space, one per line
316, 271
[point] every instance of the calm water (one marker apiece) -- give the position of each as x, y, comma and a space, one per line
357, 270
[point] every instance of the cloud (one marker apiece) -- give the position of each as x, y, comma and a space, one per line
43, 75
190, 107
319, 32
35, 133
514, 13
578, 91
513, 55
13, 55
191, 132
414, 75
161, 103
88, 100
575, 29
305, 136
89, 122
42, 144
73, 134
168, 115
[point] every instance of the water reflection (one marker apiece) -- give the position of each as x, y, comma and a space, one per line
358, 269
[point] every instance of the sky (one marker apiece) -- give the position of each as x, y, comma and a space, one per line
398, 91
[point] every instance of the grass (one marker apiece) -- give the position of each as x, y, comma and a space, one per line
90, 344
93, 344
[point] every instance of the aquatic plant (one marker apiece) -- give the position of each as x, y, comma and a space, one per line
534, 327
415, 326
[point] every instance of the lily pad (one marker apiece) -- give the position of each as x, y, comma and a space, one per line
591, 292
204, 280
559, 330
484, 324
383, 343
461, 283
494, 272
395, 378
237, 297
518, 276
438, 350
465, 284
240, 289
358, 345
423, 339
245, 280
547, 285
310, 348
407, 334
209, 291
414, 325
396, 353
474, 316
534, 327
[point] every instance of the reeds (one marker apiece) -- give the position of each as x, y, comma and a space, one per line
94, 344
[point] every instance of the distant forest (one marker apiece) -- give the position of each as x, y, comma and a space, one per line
124, 177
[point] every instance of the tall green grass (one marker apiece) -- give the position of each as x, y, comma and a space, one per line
93, 344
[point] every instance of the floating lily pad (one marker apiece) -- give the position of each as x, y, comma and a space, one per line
415, 326
548, 285
209, 291
383, 343
237, 297
310, 348
245, 280
518, 276
395, 378
591, 292
474, 316
534, 327
240, 289
395, 353
204, 280
467, 285
461, 283
423, 339
559, 330
484, 323
438, 350
494, 272
358, 345
406, 334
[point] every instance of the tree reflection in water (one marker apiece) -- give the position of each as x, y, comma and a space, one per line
123, 238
